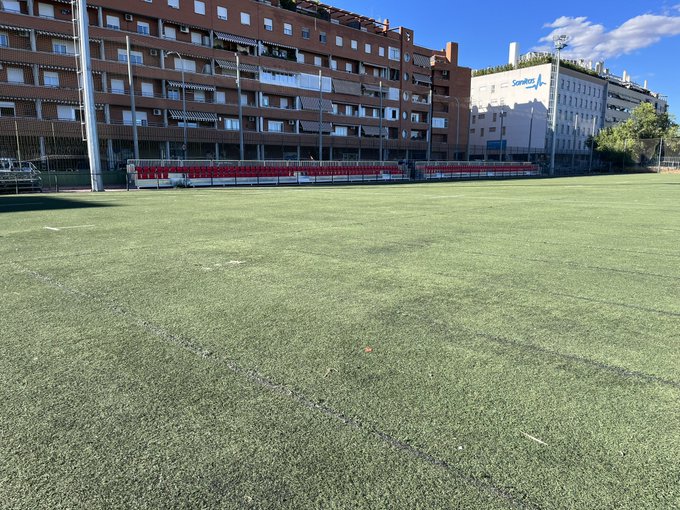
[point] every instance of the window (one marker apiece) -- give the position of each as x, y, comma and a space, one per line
142, 28
135, 57
438, 122
348, 110
245, 18
66, 112
381, 51
113, 22
353, 44
287, 29
338, 41
394, 54
189, 65
367, 48
170, 32
322, 37
199, 7
265, 100
147, 89
283, 103
317, 61
300, 58
340, 131
220, 97
173, 3
51, 79
222, 13
117, 86
7, 109
140, 117
231, 124
481, 132
305, 33
334, 65
45, 10
10, 5
199, 96
63, 47
348, 67
15, 75
196, 38
268, 24
173, 94
275, 126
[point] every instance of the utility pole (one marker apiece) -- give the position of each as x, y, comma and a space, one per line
560, 42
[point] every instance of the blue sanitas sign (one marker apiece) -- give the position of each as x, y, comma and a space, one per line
529, 83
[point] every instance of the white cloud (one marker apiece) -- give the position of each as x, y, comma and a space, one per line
593, 41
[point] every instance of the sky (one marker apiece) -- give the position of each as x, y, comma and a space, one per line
641, 37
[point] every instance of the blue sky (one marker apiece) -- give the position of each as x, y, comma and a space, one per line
641, 37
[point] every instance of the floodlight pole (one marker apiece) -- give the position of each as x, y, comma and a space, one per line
240, 108
133, 110
500, 148
380, 114
531, 128
87, 85
320, 117
560, 42
184, 103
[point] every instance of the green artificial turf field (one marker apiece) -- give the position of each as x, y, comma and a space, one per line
466, 345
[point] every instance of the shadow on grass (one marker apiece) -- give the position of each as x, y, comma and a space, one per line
43, 203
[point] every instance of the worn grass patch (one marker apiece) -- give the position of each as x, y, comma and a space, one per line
468, 345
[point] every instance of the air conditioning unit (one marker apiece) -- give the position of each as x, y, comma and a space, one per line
156, 111
153, 52
291, 122
128, 17
445, 73
251, 119
184, 29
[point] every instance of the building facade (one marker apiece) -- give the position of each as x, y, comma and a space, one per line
306, 69
519, 98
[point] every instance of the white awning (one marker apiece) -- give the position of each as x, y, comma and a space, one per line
312, 103
194, 116
228, 64
374, 88
280, 45
12, 27
311, 126
191, 86
246, 41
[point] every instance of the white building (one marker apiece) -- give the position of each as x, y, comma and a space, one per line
521, 99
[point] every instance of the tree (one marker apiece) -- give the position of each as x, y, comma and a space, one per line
636, 139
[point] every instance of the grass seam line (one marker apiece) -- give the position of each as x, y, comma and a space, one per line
526, 346
280, 389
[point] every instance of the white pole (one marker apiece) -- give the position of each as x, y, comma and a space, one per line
380, 113
240, 109
88, 97
560, 43
320, 118
131, 84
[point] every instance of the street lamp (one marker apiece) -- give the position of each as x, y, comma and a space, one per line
184, 102
560, 42
240, 108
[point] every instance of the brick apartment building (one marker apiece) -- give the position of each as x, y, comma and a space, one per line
282, 47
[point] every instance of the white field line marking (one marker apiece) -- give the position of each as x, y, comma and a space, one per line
534, 438
73, 226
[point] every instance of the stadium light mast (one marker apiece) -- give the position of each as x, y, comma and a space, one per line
87, 85
240, 108
185, 147
560, 42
